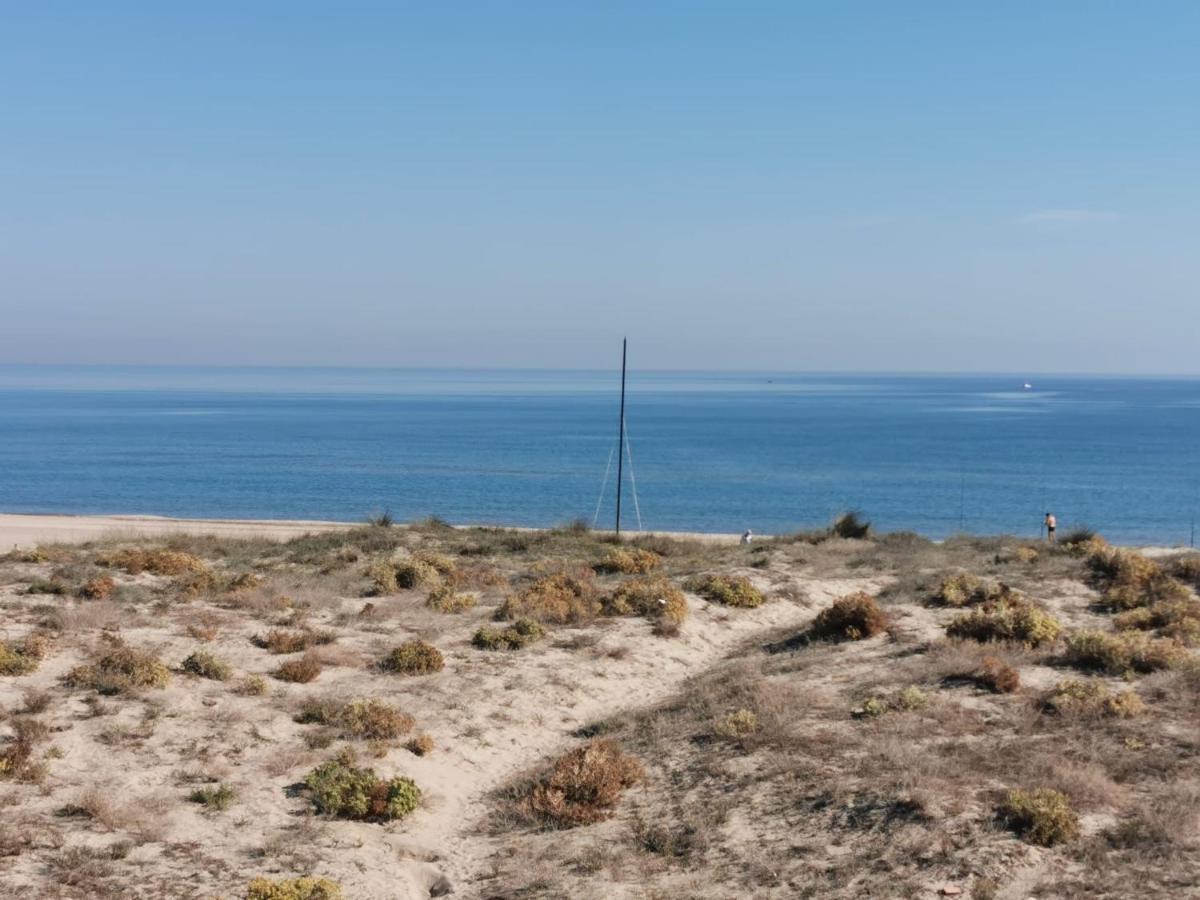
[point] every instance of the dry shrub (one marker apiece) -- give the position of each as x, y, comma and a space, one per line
198, 583
372, 720
1130, 580
206, 665
158, 561
1090, 697
305, 888
383, 579
558, 599
1122, 653
909, 699
997, 676
280, 641
24, 656
413, 658
439, 562
964, 589
204, 627
850, 525
16, 756
344, 790
1007, 620
300, 671
1041, 816
444, 598
1186, 568
1023, 554
738, 724
853, 617
215, 799
120, 669
728, 590
628, 561
584, 785
252, 686
100, 587
654, 598
520, 633
1171, 618
420, 745
242, 582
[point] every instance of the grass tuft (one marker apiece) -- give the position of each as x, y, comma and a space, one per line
206, 665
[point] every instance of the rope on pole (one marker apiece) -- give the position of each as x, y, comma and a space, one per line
603, 485
633, 481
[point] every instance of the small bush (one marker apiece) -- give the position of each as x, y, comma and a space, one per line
584, 785
216, 799
280, 641
628, 561
654, 598
850, 525
156, 562
910, 699
23, 657
16, 756
206, 665
1130, 580
341, 789
299, 671
1042, 816
420, 745
738, 724
242, 582
1089, 697
55, 587
520, 633
293, 889
414, 658
558, 599
1186, 568
383, 579
997, 676
1007, 620
444, 598
850, 618
99, 588
1172, 618
1122, 653
728, 590
964, 589
120, 669
252, 686
373, 720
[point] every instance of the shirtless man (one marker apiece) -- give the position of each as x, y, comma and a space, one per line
1051, 524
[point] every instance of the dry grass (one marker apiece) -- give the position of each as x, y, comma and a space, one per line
728, 590
304, 888
628, 561
156, 561
1042, 816
365, 719
207, 665
1122, 653
444, 598
100, 587
280, 641
655, 598
1007, 620
1091, 697
519, 634
23, 657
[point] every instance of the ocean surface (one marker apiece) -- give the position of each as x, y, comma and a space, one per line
716, 452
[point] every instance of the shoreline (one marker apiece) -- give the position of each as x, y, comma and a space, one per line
25, 530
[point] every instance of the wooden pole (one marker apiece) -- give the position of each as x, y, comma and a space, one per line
621, 437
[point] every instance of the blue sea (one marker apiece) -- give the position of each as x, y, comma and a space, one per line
716, 452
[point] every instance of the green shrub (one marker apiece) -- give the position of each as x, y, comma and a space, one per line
628, 561
120, 669
1042, 816
1089, 697
217, 799
584, 785
520, 633
850, 618
654, 598
444, 598
293, 889
343, 790
1122, 653
558, 599
413, 658
1007, 620
728, 590
206, 665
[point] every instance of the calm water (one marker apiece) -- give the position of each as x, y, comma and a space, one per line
712, 452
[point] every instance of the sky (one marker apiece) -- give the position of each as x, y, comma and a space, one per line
849, 186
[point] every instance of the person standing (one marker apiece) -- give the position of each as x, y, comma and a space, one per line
747, 537
1051, 524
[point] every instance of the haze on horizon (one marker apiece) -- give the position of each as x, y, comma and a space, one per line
819, 186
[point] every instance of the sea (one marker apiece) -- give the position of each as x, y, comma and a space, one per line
774, 452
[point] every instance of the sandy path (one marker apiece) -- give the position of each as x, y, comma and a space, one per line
20, 530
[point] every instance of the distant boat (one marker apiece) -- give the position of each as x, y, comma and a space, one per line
1028, 386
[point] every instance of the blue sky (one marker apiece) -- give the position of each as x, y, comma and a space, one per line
856, 186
